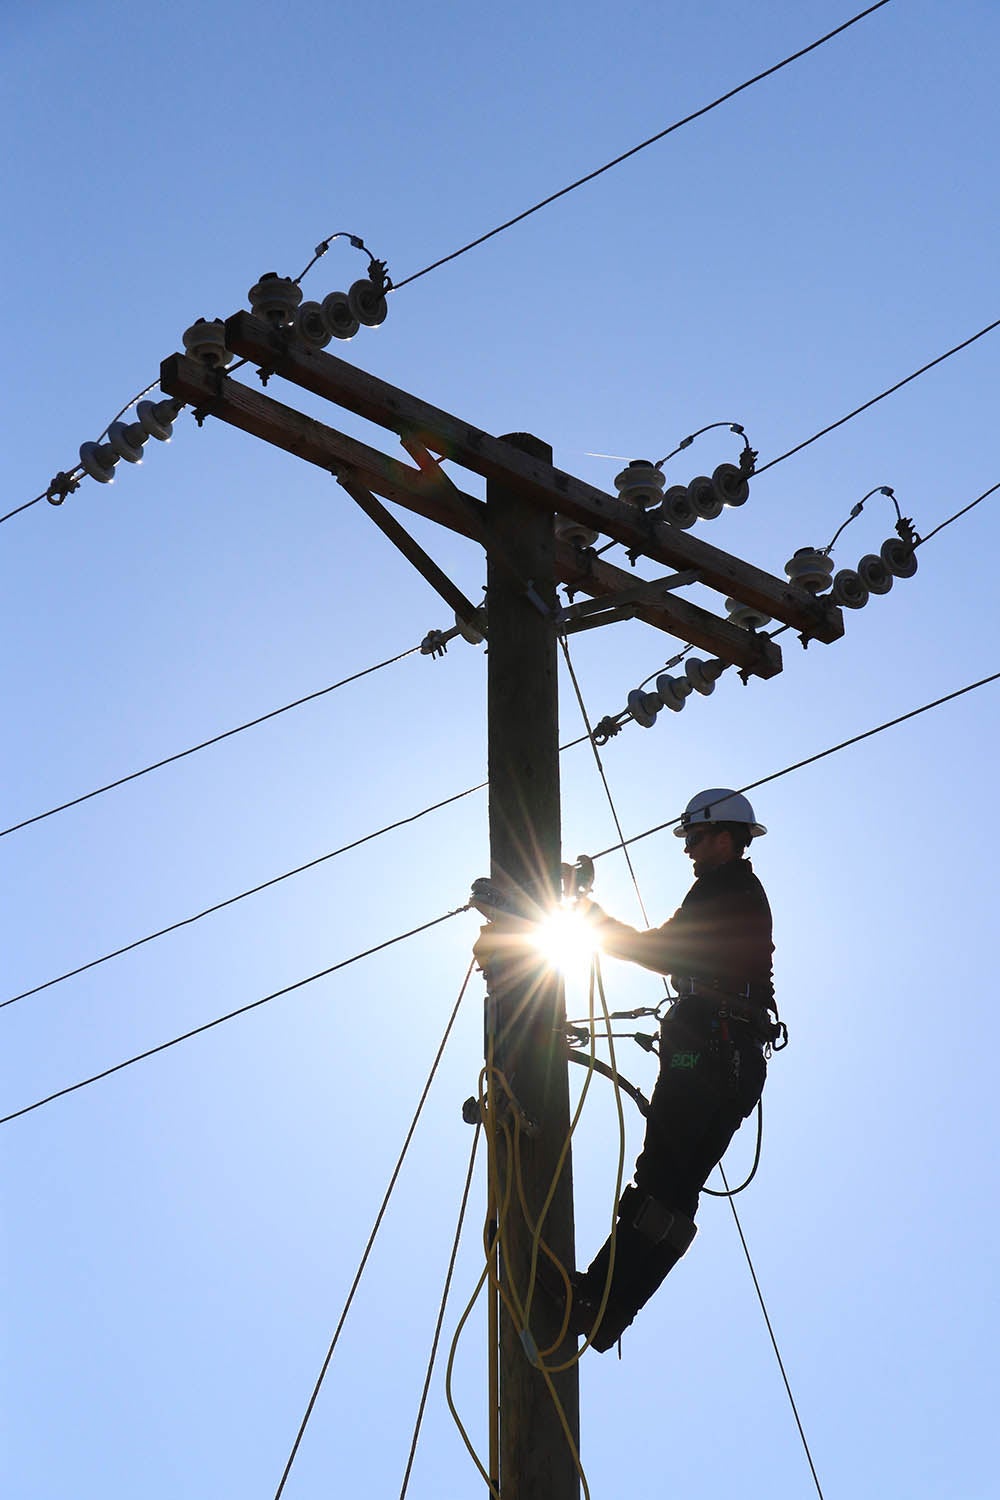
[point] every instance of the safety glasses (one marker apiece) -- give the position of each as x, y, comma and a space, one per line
694, 838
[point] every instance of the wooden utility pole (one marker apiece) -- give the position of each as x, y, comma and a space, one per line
525, 1004
526, 1037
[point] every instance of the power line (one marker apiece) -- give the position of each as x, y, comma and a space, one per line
204, 744
770, 1330
696, 115
229, 1016
253, 891
821, 755
440, 1317
965, 509
375, 1229
880, 397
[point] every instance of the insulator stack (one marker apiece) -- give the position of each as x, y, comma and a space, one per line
157, 418
673, 692
99, 459
705, 497
852, 587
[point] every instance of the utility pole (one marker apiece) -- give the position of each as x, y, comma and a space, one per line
525, 560
525, 1003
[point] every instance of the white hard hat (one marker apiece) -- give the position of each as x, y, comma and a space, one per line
719, 804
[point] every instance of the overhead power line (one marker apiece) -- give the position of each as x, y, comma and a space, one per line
875, 399
959, 513
204, 744
375, 1229
634, 150
242, 895
229, 1016
811, 759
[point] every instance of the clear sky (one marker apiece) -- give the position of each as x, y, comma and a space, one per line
180, 1237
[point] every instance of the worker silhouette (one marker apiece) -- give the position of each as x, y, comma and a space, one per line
717, 951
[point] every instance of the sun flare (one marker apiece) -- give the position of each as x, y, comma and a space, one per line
567, 941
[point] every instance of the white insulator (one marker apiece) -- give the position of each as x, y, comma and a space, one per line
673, 691
747, 616
848, 590
731, 484
900, 559
99, 460
874, 574
339, 316
469, 629
810, 569
368, 303
157, 418
127, 441
275, 298
575, 532
310, 325
640, 483
705, 498
677, 508
644, 707
703, 675
206, 342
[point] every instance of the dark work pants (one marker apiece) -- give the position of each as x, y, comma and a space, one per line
711, 1077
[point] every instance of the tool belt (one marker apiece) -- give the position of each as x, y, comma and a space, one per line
725, 1006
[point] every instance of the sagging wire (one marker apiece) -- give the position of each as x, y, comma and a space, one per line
651, 140
204, 744
342, 234
375, 1229
735, 427
880, 489
774, 1341
230, 1015
441, 1311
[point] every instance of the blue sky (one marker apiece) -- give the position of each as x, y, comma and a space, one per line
180, 1237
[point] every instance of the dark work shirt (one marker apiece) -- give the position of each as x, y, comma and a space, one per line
719, 937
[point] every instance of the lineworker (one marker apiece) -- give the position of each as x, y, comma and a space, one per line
717, 950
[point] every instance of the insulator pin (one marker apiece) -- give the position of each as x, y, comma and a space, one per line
640, 484
810, 568
206, 342
275, 298
747, 616
577, 533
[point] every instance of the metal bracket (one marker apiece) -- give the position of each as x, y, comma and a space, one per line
623, 603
